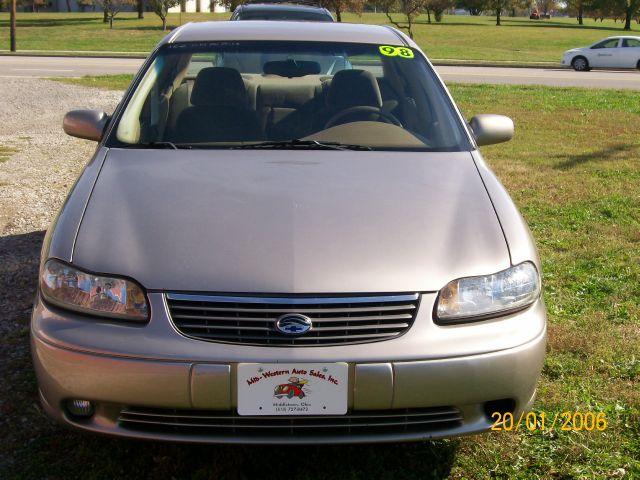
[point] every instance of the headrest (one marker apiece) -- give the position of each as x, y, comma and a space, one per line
291, 68
350, 88
295, 96
220, 87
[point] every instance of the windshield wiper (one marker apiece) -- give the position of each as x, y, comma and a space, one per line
171, 145
302, 144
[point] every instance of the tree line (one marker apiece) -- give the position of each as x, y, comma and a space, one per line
409, 10
403, 13
400, 13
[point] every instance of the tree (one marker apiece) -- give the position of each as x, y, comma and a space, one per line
630, 8
161, 8
410, 9
546, 6
500, 6
12, 26
579, 8
84, 4
230, 5
616, 9
35, 5
140, 8
340, 6
438, 7
475, 7
111, 8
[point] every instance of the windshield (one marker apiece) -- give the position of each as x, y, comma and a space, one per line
282, 14
239, 94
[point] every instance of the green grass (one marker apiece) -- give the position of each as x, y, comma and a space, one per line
106, 82
574, 173
457, 37
5, 153
573, 170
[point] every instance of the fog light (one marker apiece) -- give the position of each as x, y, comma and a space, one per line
80, 408
502, 406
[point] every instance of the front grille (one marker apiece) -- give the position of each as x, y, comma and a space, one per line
251, 320
211, 422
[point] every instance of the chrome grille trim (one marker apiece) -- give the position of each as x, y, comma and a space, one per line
198, 422
291, 300
337, 320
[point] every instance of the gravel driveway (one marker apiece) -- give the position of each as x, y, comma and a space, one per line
33, 184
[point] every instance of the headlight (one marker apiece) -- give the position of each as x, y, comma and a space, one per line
489, 295
68, 287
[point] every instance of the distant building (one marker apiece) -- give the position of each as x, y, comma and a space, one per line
74, 6
191, 6
82, 6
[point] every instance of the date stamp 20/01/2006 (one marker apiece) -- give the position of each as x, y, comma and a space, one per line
544, 422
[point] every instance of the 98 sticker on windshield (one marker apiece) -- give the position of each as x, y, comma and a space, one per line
390, 51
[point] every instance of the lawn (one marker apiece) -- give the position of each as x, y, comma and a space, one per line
573, 169
105, 82
5, 153
457, 37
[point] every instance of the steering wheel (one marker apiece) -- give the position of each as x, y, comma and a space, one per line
386, 117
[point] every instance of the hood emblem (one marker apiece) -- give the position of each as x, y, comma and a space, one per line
293, 324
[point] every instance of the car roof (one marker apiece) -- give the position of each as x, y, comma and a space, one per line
268, 30
280, 7
620, 36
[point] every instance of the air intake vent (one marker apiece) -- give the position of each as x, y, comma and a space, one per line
217, 423
336, 320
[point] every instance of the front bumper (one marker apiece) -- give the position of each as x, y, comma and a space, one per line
194, 399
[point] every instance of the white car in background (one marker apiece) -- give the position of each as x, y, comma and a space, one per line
612, 52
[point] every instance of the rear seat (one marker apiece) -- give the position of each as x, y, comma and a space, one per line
179, 101
286, 113
285, 107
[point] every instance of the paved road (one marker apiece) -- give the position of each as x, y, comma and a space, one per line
556, 77
11, 66
78, 66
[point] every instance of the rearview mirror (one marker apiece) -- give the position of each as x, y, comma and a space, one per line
489, 129
87, 124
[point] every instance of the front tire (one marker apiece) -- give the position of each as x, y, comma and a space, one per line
638, 65
580, 64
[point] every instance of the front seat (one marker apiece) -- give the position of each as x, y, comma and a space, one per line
219, 111
348, 89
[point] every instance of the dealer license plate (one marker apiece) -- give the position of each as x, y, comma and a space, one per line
292, 388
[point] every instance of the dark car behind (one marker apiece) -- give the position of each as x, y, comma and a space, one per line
281, 11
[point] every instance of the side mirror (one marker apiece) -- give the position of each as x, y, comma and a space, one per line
489, 129
87, 124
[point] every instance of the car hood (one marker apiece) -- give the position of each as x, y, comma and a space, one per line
575, 50
290, 221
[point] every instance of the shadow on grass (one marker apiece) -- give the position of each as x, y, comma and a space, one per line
33, 447
447, 23
67, 21
603, 28
18, 277
515, 22
154, 28
61, 454
52, 22
604, 154
19, 257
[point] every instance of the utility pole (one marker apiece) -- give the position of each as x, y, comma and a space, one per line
12, 26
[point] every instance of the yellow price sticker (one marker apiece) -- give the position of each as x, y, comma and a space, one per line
389, 51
